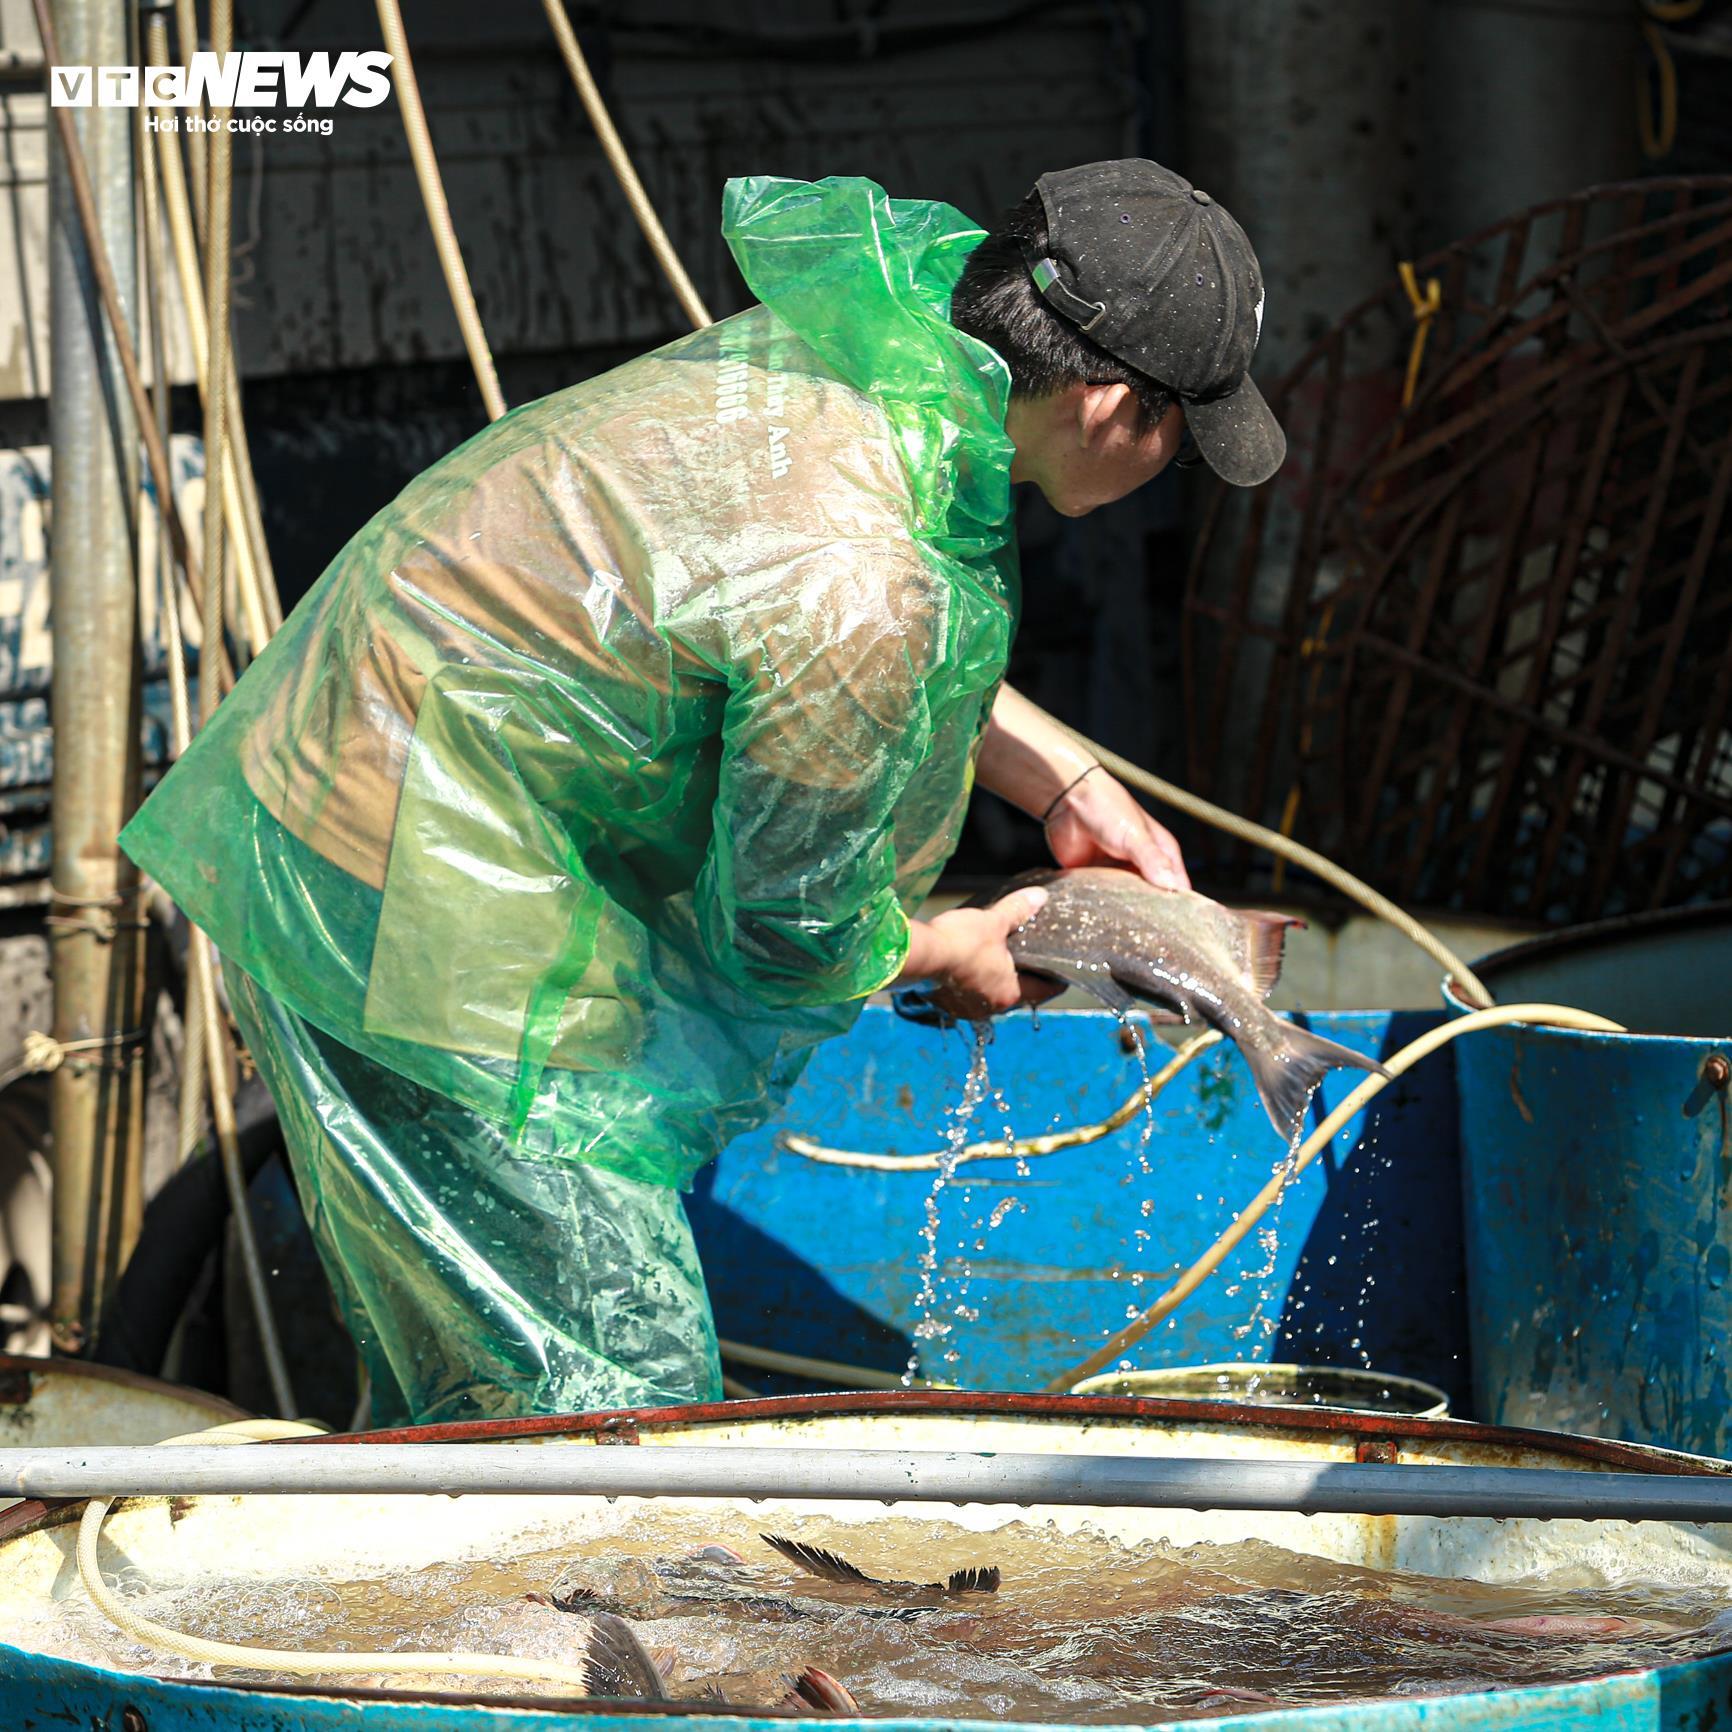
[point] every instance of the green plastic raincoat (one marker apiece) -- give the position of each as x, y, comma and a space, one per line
593, 785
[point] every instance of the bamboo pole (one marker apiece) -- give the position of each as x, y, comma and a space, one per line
97, 1087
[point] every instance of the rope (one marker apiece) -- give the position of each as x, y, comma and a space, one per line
1546, 1015
44, 1054
98, 921
1425, 307
1658, 138
1467, 983
165, 162
155, 273
120, 330
216, 297
234, 1173
301, 1661
1022, 1148
255, 580
620, 161
821, 1370
438, 211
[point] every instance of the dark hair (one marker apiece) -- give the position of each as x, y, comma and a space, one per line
996, 301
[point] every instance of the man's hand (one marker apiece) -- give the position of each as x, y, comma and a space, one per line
1096, 822
964, 954
1090, 819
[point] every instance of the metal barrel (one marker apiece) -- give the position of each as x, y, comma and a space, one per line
1597, 1175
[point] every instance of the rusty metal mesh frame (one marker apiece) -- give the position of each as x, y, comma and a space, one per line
1481, 649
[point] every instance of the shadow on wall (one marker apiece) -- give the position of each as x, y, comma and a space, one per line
788, 1304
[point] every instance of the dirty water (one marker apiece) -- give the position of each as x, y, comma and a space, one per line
1080, 1628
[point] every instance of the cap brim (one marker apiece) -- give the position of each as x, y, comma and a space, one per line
1238, 435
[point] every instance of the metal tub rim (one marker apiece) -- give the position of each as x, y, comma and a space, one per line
1458, 1006
627, 1426
1550, 1704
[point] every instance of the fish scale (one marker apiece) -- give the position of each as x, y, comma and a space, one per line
1113, 935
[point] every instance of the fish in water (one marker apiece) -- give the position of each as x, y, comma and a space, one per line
1113, 934
815, 1561
620, 1666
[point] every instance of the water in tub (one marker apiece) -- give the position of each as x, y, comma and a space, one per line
916, 1617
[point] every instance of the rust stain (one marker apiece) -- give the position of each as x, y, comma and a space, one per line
1515, 1086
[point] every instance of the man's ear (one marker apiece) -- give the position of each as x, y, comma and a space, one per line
1096, 408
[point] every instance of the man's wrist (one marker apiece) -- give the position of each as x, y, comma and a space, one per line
1065, 792
1026, 760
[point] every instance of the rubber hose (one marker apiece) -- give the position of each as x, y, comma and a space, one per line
304, 1661
438, 211
1469, 985
1546, 1015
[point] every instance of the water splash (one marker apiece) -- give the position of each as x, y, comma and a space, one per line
1269, 1234
976, 1087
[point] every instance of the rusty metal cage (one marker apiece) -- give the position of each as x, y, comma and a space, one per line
1480, 647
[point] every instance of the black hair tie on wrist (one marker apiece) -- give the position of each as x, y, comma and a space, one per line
1058, 798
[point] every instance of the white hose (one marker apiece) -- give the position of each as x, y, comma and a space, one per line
304, 1661
1544, 1015
1023, 1148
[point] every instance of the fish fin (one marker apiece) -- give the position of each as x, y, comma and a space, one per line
816, 1689
1263, 936
980, 1580
616, 1661
815, 1561
1093, 978
1292, 1066
578, 1599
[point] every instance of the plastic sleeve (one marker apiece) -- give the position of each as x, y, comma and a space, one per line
824, 727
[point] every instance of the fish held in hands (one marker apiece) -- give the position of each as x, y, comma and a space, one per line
1114, 935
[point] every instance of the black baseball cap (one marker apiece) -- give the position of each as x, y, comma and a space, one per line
1162, 278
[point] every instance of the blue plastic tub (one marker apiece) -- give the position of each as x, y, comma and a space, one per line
822, 1260
1597, 1173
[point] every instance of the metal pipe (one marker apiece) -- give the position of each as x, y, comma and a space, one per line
866, 1475
97, 1098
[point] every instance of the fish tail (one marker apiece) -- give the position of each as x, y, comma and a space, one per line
1292, 1065
617, 1662
815, 1689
